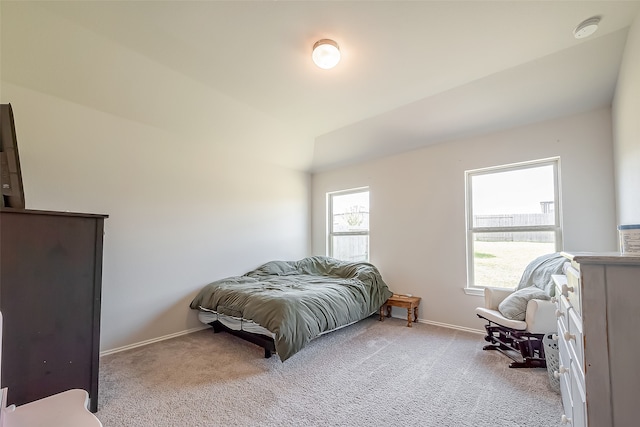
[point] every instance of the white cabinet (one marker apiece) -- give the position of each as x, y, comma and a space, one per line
570, 338
598, 311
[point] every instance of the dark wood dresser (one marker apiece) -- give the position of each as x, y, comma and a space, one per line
50, 288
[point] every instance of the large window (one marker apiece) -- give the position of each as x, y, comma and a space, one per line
348, 213
513, 216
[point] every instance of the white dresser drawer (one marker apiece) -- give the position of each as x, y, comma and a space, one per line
575, 338
562, 312
578, 398
572, 290
563, 373
565, 391
572, 390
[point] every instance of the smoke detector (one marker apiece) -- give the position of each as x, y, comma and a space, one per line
586, 27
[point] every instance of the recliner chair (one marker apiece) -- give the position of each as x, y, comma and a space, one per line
519, 319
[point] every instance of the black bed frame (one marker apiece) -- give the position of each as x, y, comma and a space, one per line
261, 340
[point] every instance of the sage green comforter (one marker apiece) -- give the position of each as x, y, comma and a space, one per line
298, 300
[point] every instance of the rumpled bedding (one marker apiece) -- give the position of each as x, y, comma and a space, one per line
298, 300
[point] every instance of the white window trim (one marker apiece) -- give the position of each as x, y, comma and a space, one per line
470, 289
330, 232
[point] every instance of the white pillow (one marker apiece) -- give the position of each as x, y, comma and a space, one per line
514, 306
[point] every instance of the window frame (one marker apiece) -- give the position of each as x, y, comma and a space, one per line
470, 287
331, 233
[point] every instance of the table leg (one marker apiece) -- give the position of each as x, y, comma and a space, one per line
388, 310
415, 314
382, 312
409, 317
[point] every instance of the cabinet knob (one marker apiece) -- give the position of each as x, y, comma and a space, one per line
559, 313
569, 337
566, 289
561, 370
565, 420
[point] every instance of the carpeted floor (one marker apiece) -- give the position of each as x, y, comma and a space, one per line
371, 373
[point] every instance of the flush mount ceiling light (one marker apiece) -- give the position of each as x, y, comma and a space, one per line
586, 28
326, 53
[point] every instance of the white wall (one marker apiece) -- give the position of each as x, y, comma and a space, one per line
626, 131
418, 205
187, 176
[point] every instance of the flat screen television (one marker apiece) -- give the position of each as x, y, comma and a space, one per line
12, 191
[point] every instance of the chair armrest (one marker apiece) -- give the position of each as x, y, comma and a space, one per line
541, 317
494, 296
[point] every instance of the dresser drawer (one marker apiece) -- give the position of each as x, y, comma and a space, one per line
578, 397
571, 290
562, 312
565, 380
574, 337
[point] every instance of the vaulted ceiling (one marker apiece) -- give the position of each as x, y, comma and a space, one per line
412, 73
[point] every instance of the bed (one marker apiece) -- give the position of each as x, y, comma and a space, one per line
283, 305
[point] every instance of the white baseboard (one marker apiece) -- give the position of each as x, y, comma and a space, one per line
446, 325
152, 340
199, 328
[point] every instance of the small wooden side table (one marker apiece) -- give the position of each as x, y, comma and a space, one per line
410, 303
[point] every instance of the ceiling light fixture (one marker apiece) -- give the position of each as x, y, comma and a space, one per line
586, 28
326, 53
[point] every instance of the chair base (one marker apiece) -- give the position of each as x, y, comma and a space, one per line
524, 348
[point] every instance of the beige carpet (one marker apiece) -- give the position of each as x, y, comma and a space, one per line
371, 373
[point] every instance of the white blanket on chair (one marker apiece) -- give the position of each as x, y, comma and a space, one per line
539, 271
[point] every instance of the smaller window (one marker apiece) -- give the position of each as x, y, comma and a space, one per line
348, 217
